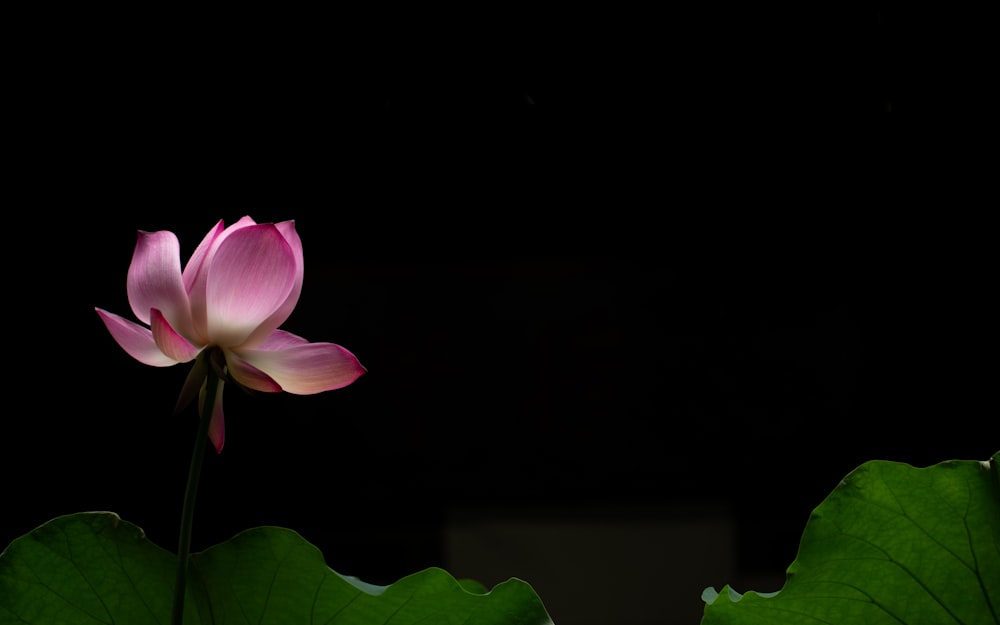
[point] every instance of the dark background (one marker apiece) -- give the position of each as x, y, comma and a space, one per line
512, 380
584, 259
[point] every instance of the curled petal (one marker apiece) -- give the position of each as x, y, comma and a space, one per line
281, 339
169, 341
154, 280
192, 270
307, 368
249, 375
194, 277
192, 384
195, 271
217, 428
251, 275
291, 236
136, 340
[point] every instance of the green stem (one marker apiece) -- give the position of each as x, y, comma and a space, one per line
187, 513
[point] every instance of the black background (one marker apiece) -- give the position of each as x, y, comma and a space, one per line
584, 260
512, 380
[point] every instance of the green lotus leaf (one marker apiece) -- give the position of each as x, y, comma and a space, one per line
892, 544
92, 568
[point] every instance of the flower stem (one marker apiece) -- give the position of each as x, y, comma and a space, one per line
187, 512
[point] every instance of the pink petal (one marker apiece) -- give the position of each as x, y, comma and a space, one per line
192, 270
192, 384
154, 280
217, 428
280, 339
243, 222
169, 341
287, 230
135, 339
195, 272
250, 276
249, 375
307, 368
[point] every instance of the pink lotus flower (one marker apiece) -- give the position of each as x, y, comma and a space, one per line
241, 283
